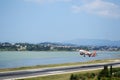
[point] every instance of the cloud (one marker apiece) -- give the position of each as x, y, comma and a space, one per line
47, 1
98, 7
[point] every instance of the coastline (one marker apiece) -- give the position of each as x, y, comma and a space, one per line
59, 65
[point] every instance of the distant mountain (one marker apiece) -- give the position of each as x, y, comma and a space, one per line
93, 42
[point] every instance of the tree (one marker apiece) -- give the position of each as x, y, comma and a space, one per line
104, 73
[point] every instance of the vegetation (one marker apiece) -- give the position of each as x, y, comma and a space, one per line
52, 77
87, 75
59, 76
47, 46
102, 75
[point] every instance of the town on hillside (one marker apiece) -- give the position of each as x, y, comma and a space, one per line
48, 46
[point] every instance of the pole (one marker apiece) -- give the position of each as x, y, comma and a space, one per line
110, 70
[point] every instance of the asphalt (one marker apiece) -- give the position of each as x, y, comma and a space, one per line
51, 71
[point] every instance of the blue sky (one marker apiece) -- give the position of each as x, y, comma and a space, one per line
59, 20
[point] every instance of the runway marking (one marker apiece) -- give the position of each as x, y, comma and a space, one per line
53, 72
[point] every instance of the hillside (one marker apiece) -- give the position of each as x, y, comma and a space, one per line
94, 42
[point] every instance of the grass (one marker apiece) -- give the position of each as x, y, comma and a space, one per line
59, 77
86, 75
53, 77
55, 65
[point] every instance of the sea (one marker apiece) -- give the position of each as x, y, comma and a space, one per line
14, 59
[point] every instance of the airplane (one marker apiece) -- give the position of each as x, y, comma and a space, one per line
90, 54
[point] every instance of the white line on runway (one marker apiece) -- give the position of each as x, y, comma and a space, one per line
54, 72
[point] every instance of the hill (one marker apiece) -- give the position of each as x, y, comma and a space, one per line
93, 42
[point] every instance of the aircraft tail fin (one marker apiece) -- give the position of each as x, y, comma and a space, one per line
93, 54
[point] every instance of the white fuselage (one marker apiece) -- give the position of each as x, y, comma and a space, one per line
85, 52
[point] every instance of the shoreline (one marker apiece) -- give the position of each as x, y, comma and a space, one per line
59, 65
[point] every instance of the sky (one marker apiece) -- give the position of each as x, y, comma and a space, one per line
59, 20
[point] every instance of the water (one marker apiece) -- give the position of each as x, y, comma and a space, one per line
13, 59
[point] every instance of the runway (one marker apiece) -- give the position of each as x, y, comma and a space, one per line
51, 71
